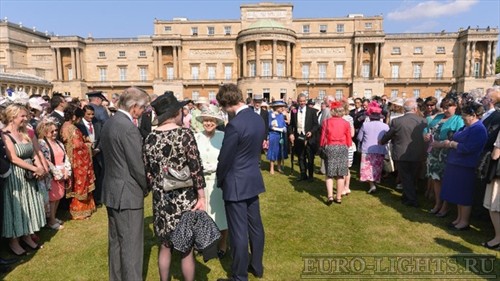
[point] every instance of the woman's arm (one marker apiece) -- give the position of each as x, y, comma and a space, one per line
11, 154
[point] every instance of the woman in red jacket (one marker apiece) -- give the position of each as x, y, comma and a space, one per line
336, 140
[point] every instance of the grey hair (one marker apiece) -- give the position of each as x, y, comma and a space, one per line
301, 95
410, 105
133, 96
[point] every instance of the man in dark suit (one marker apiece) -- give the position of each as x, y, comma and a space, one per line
95, 100
257, 102
58, 104
408, 149
147, 117
239, 176
124, 187
303, 128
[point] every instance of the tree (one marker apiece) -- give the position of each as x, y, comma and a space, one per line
497, 66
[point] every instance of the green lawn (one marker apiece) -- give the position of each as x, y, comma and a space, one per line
298, 226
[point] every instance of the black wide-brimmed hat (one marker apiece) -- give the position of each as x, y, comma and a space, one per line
166, 106
96, 94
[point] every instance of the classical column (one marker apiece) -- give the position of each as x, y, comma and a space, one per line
155, 58
54, 64
78, 71
174, 54
380, 59
473, 50
73, 63
360, 62
59, 65
274, 58
288, 60
494, 57
257, 59
467, 59
355, 60
244, 60
376, 60
488, 59
179, 62
160, 62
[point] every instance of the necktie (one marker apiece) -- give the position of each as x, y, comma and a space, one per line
91, 129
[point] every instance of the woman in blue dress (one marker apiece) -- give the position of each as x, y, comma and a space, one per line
277, 135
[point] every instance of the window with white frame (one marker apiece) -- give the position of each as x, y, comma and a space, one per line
280, 68
70, 73
121, 54
438, 93
103, 74
194, 30
339, 71
168, 28
321, 94
210, 30
440, 50
395, 71
368, 93
339, 94
306, 28
340, 27
102, 54
195, 72
305, 70
142, 54
211, 71
251, 69
170, 72
227, 30
439, 70
394, 93
143, 73
476, 69
418, 50
266, 68
416, 93
211, 95
228, 72
322, 28
322, 70
417, 70
365, 70
195, 95
368, 25
396, 51
122, 73
249, 93
282, 93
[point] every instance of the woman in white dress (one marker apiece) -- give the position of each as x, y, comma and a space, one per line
209, 142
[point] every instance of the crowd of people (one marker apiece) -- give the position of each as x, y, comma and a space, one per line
205, 156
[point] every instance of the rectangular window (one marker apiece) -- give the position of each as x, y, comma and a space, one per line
340, 27
339, 94
321, 94
143, 73
476, 71
394, 93
266, 68
365, 71
339, 70
227, 30
322, 28
211, 95
102, 54
142, 54
440, 50
417, 71
395, 71
305, 70
211, 71
170, 72
396, 51
416, 93
280, 68
195, 72
249, 93
228, 72
121, 54
195, 95
122, 73
368, 25
368, 93
70, 73
194, 31
306, 28
418, 50
439, 70
438, 93
251, 69
168, 28
210, 30
103, 74
322, 70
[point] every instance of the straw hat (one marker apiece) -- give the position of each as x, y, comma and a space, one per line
211, 112
397, 101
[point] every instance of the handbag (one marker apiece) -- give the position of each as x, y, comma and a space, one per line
175, 179
484, 166
322, 152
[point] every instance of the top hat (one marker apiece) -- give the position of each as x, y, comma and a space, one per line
166, 105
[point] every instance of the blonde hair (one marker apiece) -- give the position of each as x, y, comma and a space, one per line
43, 127
10, 113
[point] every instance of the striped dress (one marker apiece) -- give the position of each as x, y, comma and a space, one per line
22, 203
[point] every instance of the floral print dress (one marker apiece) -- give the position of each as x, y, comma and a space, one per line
173, 148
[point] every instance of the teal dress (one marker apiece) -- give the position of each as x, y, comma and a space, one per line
23, 211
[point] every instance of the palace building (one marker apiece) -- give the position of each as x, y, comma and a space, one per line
266, 51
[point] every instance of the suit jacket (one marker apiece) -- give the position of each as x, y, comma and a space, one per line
265, 116
124, 185
238, 172
59, 118
97, 131
145, 124
4, 161
100, 113
406, 133
492, 125
311, 125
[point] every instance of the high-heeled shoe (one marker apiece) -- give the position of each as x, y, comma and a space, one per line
337, 201
329, 201
26, 245
442, 215
25, 253
491, 247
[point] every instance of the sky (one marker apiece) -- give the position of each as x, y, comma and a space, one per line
132, 18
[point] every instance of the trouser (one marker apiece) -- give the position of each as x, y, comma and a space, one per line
408, 173
306, 152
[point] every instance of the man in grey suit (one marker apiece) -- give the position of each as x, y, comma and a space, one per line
124, 187
408, 149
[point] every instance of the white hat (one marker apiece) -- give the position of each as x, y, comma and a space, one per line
397, 101
203, 100
37, 103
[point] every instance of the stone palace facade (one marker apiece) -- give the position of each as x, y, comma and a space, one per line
266, 51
